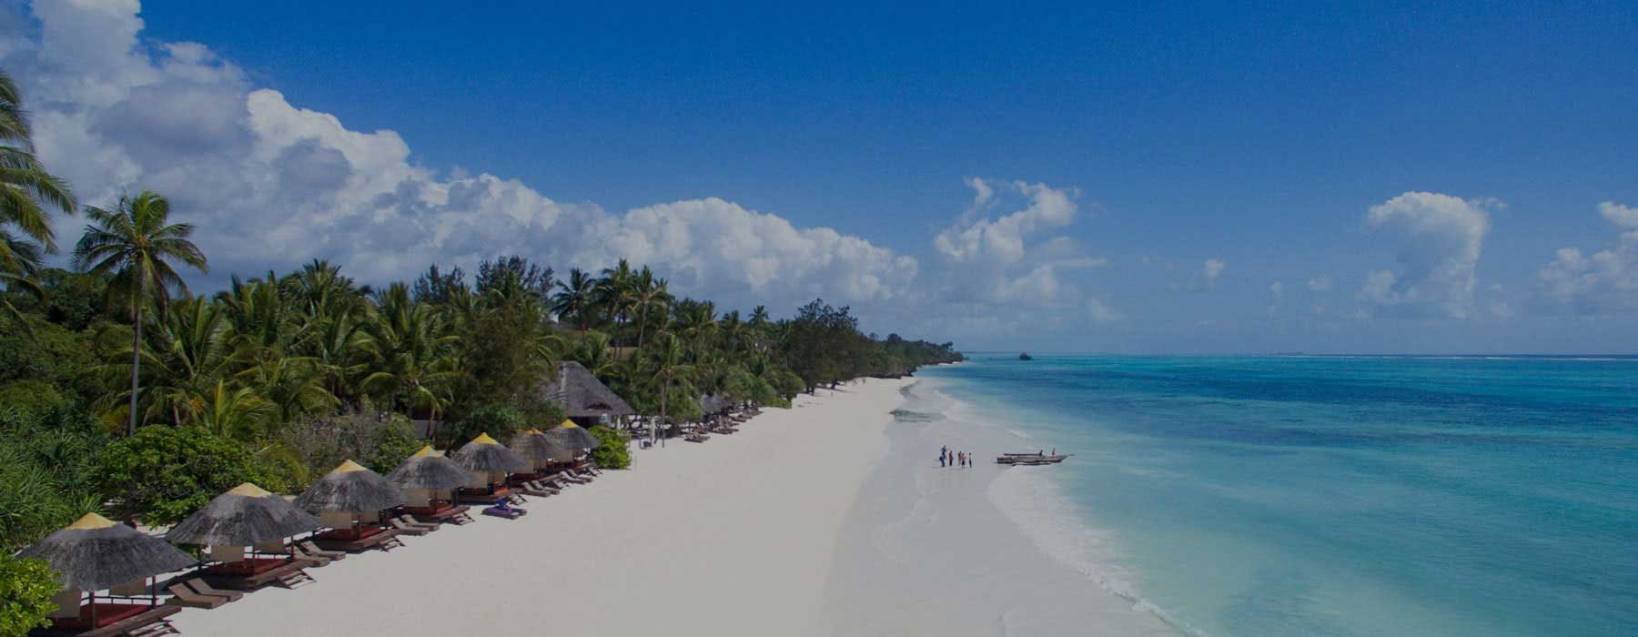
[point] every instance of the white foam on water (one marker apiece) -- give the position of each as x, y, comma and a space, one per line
1038, 507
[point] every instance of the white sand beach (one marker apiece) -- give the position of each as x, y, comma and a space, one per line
735, 536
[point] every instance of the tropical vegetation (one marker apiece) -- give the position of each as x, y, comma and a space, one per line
125, 391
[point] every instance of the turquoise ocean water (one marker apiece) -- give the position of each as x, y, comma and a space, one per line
1343, 495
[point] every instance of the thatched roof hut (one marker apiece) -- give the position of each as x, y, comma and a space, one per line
581, 395
425, 469
350, 488
574, 436
94, 553
715, 404
540, 449
247, 515
487, 455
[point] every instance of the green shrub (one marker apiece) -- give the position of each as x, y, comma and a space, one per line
614, 452
26, 589
498, 420
163, 474
31, 396
394, 442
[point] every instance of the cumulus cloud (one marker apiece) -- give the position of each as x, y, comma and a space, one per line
1102, 312
1012, 258
271, 184
1439, 241
1276, 297
1321, 283
1605, 282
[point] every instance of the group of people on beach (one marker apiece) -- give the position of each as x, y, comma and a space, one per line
947, 458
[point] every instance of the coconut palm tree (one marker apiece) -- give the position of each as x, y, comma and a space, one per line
27, 194
613, 293
410, 353
574, 298
666, 364
136, 243
649, 298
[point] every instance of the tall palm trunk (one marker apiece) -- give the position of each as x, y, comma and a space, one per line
136, 350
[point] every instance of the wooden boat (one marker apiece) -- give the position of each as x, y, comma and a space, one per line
1030, 459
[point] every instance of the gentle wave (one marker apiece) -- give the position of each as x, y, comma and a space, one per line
1048, 518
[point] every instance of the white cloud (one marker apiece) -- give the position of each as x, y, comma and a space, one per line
1011, 259
1440, 239
1276, 296
1206, 278
271, 184
1605, 282
1321, 283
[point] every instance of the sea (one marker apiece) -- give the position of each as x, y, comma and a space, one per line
1313, 495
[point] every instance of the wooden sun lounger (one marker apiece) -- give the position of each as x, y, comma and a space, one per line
189, 598
204, 588
404, 528
308, 547
311, 560
411, 522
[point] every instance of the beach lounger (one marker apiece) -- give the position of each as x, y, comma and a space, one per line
410, 521
308, 547
189, 598
407, 529
203, 588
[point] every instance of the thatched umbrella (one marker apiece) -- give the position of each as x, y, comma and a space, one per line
94, 553
350, 488
575, 436
487, 455
541, 449
429, 471
246, 515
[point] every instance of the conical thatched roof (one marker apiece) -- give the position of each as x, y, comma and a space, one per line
715, 404
486, 454
350, 488
94, 553
428, 470
581, 395
539, 448
574, 436
244, 516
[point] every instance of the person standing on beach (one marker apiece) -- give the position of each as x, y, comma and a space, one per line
941, 454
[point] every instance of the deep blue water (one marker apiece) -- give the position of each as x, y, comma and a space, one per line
1347, 495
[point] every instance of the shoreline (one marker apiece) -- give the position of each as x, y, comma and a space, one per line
969, 551
733, 536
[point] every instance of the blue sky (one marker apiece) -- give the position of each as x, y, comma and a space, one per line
1125, 148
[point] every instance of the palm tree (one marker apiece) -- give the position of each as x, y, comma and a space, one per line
613, 293
136, 243
667, 366
574, 297
649, 297
411, 353
27, 192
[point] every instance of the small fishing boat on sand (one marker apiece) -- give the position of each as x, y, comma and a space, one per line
1031, 459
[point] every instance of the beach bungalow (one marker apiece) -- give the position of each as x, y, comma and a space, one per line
247, 516
584, 399
350, 500
429, 481
95, 554
488, 462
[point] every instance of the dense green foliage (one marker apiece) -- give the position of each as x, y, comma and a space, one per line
615, 453
165, 473
122, 390
48, 465
26, 590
